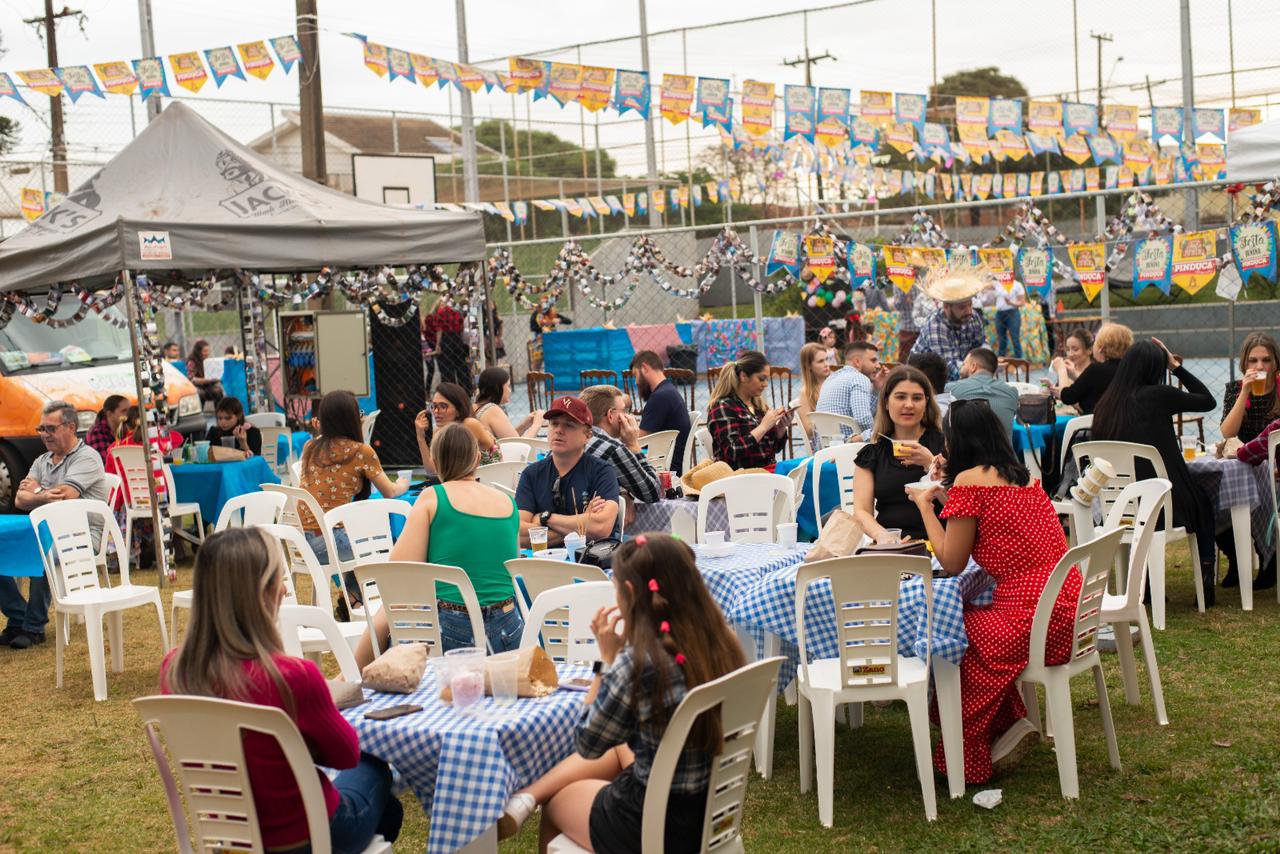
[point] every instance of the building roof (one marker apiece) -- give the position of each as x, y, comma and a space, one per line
372, 133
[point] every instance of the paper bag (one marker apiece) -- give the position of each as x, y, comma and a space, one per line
346, 695
398, 670
537, 674
219, 454
840, 537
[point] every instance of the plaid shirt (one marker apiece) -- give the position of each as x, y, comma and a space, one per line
1254, 452
99, 437
614, 719
635, 474
731, 423
950, 342
849, 392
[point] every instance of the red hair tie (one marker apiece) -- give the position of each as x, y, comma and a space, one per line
640, 541
680, 659
664, 627
653, 585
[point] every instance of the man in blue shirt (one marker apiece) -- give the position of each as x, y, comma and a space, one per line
980, 383
664, 405
852, 390
568, 490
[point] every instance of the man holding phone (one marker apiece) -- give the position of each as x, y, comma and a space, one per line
852, 391
68, 469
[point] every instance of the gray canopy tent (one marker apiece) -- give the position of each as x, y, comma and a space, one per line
185, 196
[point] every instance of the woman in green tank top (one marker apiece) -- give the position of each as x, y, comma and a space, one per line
464, 523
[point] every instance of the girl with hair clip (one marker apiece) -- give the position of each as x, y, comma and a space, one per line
233, 651
672, 639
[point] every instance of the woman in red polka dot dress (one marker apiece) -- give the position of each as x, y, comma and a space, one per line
1005, 521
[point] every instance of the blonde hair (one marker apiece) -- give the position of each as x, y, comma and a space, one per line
1113, 339
599, 400
233, 618
455, 453
932, 419
810, 383
748, 362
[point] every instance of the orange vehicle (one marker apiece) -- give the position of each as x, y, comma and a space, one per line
81, 364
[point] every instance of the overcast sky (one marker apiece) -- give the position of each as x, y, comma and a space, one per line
880, 44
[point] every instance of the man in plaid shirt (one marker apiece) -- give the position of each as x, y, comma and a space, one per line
615, 438
952, 332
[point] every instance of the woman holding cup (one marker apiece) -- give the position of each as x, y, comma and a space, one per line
906, 443
1246, 415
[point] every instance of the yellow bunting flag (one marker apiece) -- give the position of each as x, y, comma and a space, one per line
999, 263
629, 203
820, 256
898, 267
255, 58
1213, 160
1195, 261
1037, 183
1164, 170
901, 136
32, 203
1013, 145
597, 87
527, 73
188, 70
1121, 120
117, 77
677, 97
566, 81
375, 58
572, 206
972, 112
1242, 117
1010, 188
946, 185
469, 77
599, 205
1137, 155
424, 70
543, 205
877, 108
1076, 149
982, 186
42, 80
1092, 179
1090, 263
974, 140
928, 256
1045, 118
966, 184
659, 200
757, 107
713, 192
1125, 179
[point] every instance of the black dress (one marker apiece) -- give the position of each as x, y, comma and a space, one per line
894, 508
253, 436
1089, 387
1153, 409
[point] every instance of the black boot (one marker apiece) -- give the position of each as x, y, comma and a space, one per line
1227, 545
1232, 578
1266, 576
1208, 575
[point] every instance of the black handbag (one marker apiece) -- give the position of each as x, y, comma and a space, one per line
1036, 408
599, 552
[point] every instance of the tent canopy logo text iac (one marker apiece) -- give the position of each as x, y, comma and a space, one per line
255, 195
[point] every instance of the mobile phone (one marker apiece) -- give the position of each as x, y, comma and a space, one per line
577, 683
392, 712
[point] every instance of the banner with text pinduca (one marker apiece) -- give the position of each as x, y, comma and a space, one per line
1152, 264
998, 261
1089, 260
1195, 260
32, 203
1036, 266
526, 73
833, 117
631, 92
757, 107
597, 87
566, 82
799, 109
971, 112
188, 70
876, 108
255, 58
1254, 246
1242, 117
1121, 120
820, 256
1045, 118
862, 265
677, 97
898, 267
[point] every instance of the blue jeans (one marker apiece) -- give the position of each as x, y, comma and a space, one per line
503, 628
366, 807
32, 613
343, 544
1009, 326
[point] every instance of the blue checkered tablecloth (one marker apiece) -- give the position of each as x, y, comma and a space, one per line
1230, 482
464, 767
771, 606
657, 516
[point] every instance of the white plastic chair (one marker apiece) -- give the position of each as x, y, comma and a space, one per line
263, 420
71, 566
539, 575
689, 454
501, 474
181, 509
514, 452
295, 472
295, 497
113, 483
132, 461
271, 437
830, 428
797, 476
740, 697
1094, 560
560, 620
843, 456
703, 437
1142, 502
1073, 426
366, 425
1124, 456
537, 445
203, 739
300, 559
299, 624
754, 503
368, 527
865, 593
407, 590
659, 448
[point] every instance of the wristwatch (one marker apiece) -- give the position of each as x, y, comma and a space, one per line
597, 667
544, 517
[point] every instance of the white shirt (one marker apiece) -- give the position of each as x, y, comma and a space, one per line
1005, 299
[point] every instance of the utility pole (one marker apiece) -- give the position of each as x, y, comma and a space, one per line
148, 36
58, 143
470, 173
1075, 44
650, 150
1231, 50
310, 95
1100, 38
808, 61
933, 18
1192, 203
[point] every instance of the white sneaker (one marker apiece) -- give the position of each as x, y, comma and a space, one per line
1012, 747
515, 814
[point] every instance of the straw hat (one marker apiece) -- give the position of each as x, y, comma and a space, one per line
709, 471
956, 281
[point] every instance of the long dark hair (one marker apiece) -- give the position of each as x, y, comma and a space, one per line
339, 416
976, 439
490, 385
1142, 365
233, 407
195, 357
931, 417
109, 405
748, 363
666, 591
458, 397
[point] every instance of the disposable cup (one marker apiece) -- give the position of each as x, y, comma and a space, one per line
228, 441
787, 534
466, 676
715, 539
538, 539
202, 451
573, 543
1188, 447
890, 535
504, 677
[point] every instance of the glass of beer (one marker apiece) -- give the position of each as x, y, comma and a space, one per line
1188, 447
538, 539
1258, 385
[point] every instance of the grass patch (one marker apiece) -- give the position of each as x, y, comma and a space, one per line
81, 778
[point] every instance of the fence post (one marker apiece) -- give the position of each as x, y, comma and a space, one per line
758, 299
1100, 206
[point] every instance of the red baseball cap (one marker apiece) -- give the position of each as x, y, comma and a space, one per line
570, 407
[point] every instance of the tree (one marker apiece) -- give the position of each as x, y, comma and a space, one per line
553, 157
982, 82
9, 129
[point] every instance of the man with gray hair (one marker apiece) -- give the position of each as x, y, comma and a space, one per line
69, 469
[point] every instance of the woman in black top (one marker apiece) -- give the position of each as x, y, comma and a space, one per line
1245, 416
231, 425
906, 415
1139, 407
1109, 345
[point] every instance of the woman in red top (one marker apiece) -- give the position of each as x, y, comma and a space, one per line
233, 651
1007, 524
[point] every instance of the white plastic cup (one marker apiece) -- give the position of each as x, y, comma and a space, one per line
504, 677
228, 441
788, 533
573, 543
466, 676
202, 451
405, 474
538, 539
890, 535
715, 539
1188, 448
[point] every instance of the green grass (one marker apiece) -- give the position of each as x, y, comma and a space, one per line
79, 776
